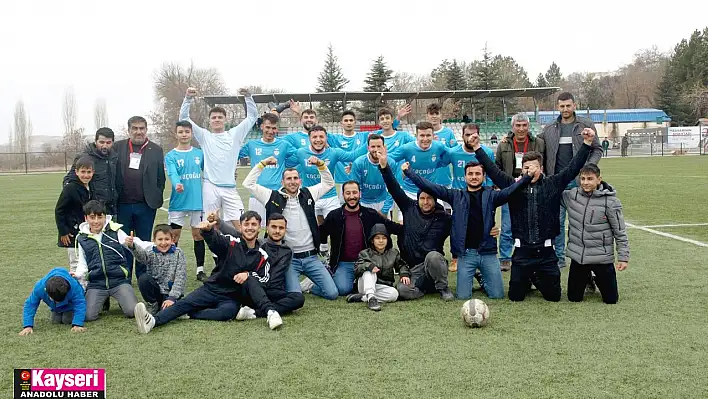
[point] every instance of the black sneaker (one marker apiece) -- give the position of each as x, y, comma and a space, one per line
201, 276
374, 304
591, 287
480, 280
446, 295
107, 305
351, 298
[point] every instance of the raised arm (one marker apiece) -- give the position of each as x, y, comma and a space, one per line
326, 183
431, 188
570, 172
502, 197
198, 132
218, 243
259, 192
498, 177
241, 130
596, 151
399, 196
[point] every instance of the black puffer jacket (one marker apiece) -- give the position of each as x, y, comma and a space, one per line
69, 212
421, 233
535, 208
104, 175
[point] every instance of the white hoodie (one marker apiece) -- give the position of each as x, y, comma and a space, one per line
84, 228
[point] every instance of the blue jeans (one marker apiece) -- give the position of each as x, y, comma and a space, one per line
559, 241
140, 219
313, 268
344, 277
506, 241
203, 304
491, 274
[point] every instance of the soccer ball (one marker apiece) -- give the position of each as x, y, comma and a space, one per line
475, 313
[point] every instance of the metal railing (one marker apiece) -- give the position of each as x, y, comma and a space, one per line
35, 162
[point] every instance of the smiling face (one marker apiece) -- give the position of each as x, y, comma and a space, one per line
84, 174
269, 130
96, 222
318, 139
386, 121
474, 176
276, 229
380, 241
163, 241
589, 182
424, 138
351, 195
376, 146
426, 203
520, 129
291, 181
217, 119
308, 120
250, 228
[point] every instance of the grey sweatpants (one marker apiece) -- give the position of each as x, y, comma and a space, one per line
123, 293
426, 277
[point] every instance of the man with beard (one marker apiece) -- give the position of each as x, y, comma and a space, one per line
349, 228
104, 169
297, 204
308, 119
365, 171
140, 182
221, 149
472, 222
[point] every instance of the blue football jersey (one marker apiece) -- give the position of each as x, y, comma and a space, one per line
446, 137
459, 158
371, 183
310, 175
353, 143
185, 167
423, 162
258, 150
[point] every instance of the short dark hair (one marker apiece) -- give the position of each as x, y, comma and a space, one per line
270, 117
248, 215
533, 156
94, 207
470, 126
57, 288
309, 111
474, 164
135, 120
565, 96
374, 136
291, 170
349, 112
317, 128
163, 228
106, 132
384, 111
85, 162
217, 110
183, 124
423, 126
590, 168
433, 108
276, 216
351, 182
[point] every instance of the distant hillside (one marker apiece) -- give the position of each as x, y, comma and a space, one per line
39, 143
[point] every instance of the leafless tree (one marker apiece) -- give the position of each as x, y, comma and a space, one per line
170, 82
100, 114
11, 141
72, 141
21, 127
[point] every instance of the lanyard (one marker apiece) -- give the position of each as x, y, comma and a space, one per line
140, 151
526, 145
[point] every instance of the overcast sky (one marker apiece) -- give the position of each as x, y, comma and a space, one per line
110, 49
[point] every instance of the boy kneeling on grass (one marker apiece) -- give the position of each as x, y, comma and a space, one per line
166, 264
102, 261
375, 268
596, 221
64, 296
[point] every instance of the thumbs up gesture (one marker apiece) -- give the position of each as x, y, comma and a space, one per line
129, 240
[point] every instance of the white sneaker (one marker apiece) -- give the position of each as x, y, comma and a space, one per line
246, 313
274, 320
306, 285
143, 318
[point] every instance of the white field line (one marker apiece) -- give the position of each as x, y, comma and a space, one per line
668, 235
676, 225
664, 176
162, 208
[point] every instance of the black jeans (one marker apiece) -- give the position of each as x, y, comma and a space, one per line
150, 290
262, 299
202, 303
539, 260
605, 279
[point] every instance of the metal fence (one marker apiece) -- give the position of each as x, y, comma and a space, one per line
35, 162
659, 145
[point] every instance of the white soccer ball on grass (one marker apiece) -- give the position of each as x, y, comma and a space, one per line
475, 313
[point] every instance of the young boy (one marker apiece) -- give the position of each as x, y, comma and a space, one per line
166, 275
596, 221
218, 298
64, 296
68, 212
184, 166
102, 261
375, 268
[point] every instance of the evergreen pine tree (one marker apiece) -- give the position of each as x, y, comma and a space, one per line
331, 79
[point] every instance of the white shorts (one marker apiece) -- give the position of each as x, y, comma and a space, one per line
324, 206
256, 206
225, 199
376, 205
177, 217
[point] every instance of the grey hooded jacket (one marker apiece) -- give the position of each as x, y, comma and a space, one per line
595, 223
